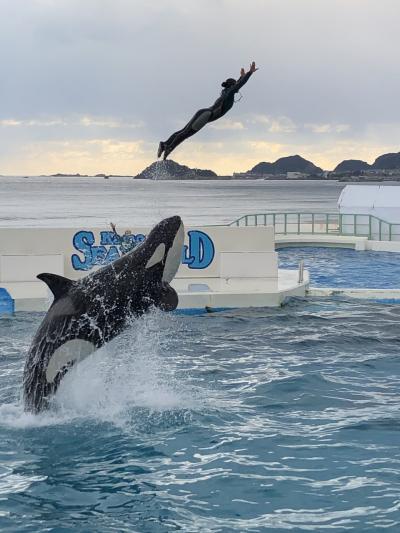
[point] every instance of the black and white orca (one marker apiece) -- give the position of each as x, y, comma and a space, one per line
89, 312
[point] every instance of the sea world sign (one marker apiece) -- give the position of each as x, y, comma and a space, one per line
197, 254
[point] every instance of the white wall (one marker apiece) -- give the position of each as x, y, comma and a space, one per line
24, 253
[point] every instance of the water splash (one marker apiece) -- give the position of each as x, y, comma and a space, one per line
130, 379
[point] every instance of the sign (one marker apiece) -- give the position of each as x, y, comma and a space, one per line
198, 254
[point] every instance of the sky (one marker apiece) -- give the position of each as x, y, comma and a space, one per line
92, 86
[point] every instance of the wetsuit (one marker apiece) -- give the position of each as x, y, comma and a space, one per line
203, 116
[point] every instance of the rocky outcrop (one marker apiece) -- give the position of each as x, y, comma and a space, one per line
170, 170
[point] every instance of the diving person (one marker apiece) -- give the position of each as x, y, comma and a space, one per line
221, 106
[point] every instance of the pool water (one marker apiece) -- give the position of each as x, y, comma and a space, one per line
253, 420
345, 267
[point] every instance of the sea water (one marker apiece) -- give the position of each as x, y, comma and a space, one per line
252, 420
87, 202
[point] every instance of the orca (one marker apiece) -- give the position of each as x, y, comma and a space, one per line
91, 311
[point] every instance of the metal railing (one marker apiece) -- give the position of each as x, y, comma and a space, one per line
357, 225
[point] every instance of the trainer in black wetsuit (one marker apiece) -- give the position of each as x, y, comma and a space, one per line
221, 106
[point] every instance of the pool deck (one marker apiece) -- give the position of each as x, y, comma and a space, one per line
285, 241
338, 241
233, 293
202, 294
368, 294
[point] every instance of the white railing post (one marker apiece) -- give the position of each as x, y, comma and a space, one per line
301, 272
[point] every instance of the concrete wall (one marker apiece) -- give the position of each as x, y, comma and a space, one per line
383, 246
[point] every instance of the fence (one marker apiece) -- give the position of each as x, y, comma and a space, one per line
324, 223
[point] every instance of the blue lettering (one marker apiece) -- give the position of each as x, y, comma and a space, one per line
112, 255
83, 241
186, 259
200, 252
140, 238
109, 237
99, 254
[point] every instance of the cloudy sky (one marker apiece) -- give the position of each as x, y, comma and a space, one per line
93, 85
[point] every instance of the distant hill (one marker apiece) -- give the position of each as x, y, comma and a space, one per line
62, 175
352, 165
387, 162
294, 163
170, 170
262, 168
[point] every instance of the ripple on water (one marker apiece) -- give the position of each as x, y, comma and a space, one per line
344, 267
253, 420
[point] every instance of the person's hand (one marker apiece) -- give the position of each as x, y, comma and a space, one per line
253, 67
242, 72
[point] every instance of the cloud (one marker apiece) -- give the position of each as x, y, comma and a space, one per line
10, 122
32, 123
85, 121
110, 148
280, 124
227, 124
109, 123
83, 156
327, 128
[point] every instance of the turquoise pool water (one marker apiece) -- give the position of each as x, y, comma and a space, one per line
344, 267
254, 420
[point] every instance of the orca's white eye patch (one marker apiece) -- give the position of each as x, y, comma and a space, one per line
157, 256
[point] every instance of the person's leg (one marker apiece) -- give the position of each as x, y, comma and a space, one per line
198, 121
175, 136
161, 148
170, 141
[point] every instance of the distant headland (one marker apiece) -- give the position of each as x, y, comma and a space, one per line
295, 167
77, 175
291, 167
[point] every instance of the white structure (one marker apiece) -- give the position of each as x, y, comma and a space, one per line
222, 267
381, 201
296, 175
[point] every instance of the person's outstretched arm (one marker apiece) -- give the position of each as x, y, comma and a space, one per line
114, 230
244, 76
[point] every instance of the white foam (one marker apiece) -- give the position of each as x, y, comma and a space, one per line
134, 372
12, 415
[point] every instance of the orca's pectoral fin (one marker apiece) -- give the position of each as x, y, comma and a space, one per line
58, 285
168, 300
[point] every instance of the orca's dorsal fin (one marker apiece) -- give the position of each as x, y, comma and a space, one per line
57, 284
